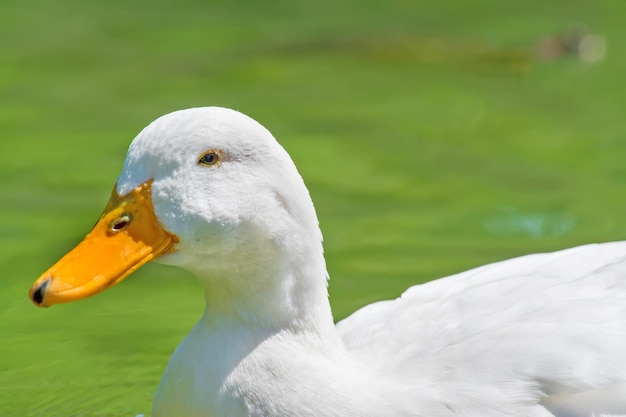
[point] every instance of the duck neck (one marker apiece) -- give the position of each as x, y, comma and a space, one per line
283, 287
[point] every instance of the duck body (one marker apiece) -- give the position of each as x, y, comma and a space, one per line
211, 191
540, 335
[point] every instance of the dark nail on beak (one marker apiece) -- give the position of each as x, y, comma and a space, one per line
40, 291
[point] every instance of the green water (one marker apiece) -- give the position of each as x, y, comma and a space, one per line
431, 138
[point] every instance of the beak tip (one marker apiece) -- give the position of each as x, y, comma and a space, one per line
38, 292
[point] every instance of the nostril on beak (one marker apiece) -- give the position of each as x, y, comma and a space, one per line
40, 291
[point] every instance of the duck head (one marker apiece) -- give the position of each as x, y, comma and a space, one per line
209, 190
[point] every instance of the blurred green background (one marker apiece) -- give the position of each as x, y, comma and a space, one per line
434, 137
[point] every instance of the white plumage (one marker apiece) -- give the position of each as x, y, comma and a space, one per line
541, 335
541, 330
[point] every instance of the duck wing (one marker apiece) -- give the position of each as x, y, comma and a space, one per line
539, 335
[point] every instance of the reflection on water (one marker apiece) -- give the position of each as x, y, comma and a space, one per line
511, 221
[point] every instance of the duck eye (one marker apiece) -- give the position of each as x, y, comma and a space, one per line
120, 223
209, 159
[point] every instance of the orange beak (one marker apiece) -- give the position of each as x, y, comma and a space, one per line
127, 236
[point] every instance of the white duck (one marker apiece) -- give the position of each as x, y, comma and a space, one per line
211, 191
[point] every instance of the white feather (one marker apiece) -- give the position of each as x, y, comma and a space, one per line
555, 323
